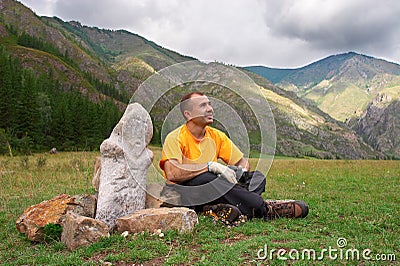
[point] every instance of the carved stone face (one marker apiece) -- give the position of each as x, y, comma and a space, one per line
137, 131
137, 137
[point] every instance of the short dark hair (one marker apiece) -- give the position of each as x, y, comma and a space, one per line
184, 104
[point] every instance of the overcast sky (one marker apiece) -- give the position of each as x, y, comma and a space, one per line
274, 33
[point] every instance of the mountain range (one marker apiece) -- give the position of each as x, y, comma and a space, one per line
111, 64
359, 90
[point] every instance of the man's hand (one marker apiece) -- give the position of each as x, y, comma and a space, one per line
223, 170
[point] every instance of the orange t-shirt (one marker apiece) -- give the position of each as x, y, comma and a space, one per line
181, 145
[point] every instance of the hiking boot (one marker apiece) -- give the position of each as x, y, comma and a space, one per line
225, 213
286, 209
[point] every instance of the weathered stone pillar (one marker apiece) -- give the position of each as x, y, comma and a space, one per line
125, 159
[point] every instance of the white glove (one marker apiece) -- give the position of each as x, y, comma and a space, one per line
223, 170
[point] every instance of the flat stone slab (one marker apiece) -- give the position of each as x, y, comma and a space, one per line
178, 218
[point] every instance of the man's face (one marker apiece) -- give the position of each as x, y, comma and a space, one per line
201, 112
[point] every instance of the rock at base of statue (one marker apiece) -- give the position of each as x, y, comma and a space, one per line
125, 159
83, 204
181, 219
53, 211
80, 231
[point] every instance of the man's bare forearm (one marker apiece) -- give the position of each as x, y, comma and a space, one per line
244, 163
177, 172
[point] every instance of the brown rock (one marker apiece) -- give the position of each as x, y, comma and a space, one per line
81, 231
179, 218
32, 221
52, 211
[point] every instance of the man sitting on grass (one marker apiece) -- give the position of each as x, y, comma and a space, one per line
189, 161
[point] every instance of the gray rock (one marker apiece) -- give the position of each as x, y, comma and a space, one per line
83, 204
125, 159
380, 126
81, 231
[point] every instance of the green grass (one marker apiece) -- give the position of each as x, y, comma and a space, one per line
355, 200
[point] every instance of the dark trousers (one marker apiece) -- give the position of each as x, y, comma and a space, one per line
248, 200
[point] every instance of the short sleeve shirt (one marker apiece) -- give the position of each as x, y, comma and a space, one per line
181, 145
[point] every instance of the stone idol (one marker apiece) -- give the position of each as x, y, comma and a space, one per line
125, 159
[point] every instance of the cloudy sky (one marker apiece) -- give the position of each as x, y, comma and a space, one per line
274, 33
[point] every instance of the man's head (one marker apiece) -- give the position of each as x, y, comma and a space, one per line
196, 107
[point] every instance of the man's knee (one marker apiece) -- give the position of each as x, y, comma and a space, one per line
254, 208
257, 182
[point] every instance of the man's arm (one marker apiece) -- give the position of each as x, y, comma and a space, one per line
177, 172
244, 163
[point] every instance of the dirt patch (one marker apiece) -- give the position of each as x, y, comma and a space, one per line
234, 239
281, 241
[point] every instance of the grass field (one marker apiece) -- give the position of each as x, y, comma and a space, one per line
353, 202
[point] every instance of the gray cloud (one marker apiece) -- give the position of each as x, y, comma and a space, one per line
284, 33
364, 25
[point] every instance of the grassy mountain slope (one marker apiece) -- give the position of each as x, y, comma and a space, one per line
302, 129
119, 58
130, 57
22, 20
